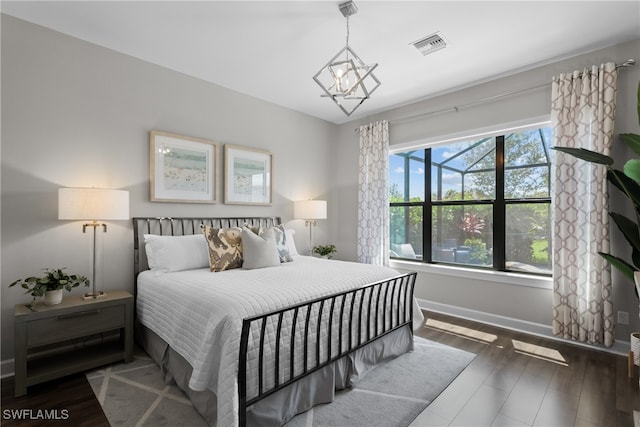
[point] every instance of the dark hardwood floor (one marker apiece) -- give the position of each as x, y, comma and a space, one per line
66, 402
522, 380
515, 380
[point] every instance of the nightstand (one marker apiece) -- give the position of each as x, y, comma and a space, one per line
73, 336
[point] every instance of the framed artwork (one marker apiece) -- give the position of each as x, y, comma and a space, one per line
247, 176
182, 169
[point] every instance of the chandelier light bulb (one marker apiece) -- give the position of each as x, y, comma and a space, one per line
339, 80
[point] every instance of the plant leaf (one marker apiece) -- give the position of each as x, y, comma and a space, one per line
638, 98
629, 229
632, 169
635, 257
625, 184
632, 140
588, 155
624, 267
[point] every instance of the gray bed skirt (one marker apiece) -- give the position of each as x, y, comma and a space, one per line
296, 398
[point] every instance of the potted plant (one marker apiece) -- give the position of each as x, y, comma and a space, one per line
325, 251
51, 284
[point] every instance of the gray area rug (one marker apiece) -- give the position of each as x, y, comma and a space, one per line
393, 394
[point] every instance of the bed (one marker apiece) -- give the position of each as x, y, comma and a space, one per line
257, 346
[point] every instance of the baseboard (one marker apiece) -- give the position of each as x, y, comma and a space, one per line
7, 368
619, 347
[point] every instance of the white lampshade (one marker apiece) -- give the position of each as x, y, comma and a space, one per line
310, 209
93, 204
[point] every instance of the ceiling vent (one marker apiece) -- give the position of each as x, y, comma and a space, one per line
430, 44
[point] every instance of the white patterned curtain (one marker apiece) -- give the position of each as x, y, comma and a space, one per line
582, 113
373, 194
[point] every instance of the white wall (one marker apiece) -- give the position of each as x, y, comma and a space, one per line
78, 115
485, 298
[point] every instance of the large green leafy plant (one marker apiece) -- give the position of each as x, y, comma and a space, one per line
626, 180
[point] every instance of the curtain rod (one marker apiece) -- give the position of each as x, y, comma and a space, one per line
625, 64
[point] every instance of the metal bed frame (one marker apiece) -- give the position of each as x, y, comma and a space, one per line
352, 319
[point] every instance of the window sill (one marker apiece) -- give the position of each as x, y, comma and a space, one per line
486, 275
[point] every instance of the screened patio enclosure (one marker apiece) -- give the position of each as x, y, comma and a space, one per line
488, 203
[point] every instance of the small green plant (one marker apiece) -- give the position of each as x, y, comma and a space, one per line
477, 250
52, 280
327, 250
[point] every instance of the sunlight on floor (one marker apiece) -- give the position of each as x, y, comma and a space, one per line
539, 352
461, 331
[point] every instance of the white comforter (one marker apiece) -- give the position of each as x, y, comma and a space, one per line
200, 313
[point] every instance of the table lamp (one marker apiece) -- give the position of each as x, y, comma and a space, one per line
310, 211
93, 204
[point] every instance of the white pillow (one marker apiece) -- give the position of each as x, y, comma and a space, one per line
176, 253
291, 243
259, 251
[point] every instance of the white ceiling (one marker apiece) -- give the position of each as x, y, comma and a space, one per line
271, 50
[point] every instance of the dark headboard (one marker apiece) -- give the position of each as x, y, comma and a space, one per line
167, 226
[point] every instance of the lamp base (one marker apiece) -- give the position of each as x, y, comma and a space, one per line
94, 295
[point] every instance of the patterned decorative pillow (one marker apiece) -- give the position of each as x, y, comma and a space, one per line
291, 241
281, 244
281, 240
225, 247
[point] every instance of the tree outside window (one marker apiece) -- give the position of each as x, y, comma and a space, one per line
488, 204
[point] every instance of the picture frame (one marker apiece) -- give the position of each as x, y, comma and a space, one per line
248, 176
182, 169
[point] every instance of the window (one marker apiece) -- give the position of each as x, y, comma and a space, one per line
486, 201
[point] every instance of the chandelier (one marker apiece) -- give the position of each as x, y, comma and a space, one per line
346, 79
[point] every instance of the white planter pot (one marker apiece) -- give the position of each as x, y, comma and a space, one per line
53, 297
635, 337
635, 347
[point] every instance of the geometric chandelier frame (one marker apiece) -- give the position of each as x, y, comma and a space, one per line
346, 79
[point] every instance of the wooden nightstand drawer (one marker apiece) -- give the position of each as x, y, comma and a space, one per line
73, 325
54, 341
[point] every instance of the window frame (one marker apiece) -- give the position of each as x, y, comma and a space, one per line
499, 203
